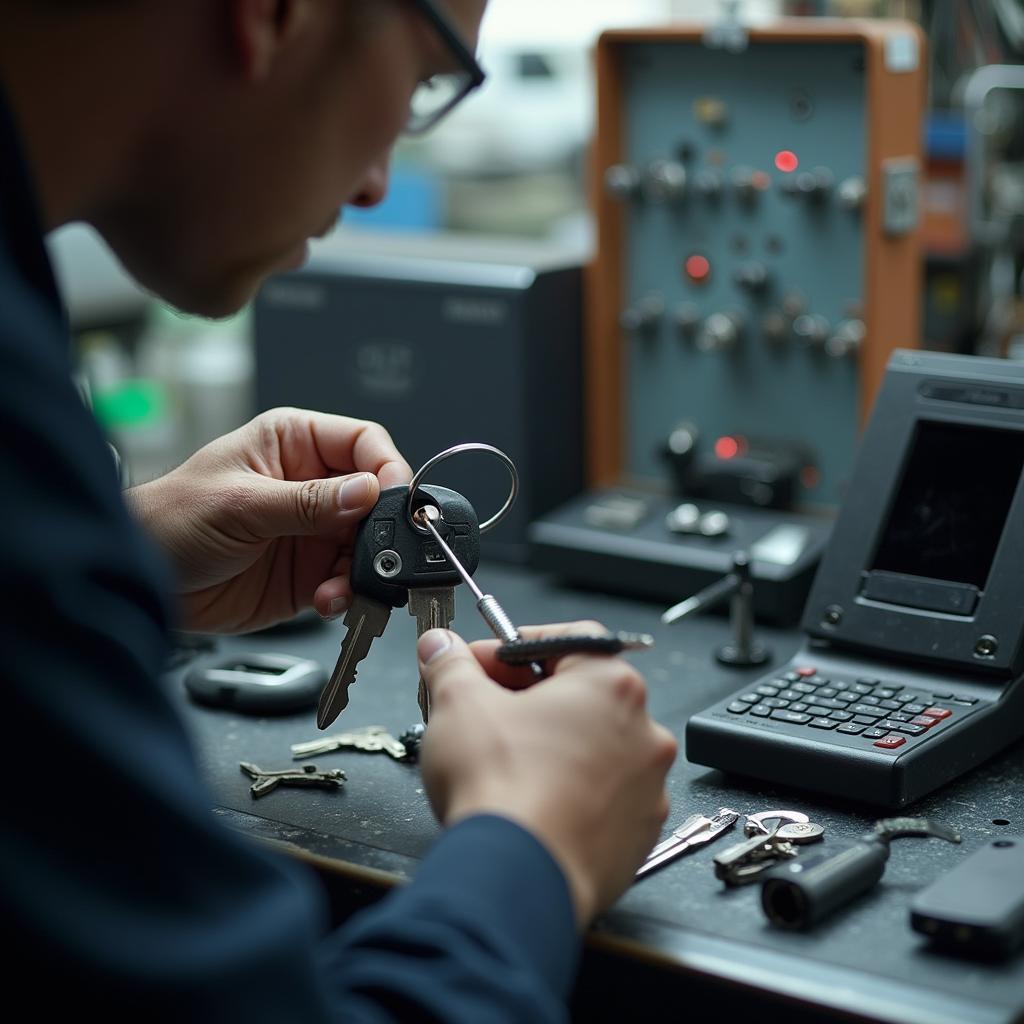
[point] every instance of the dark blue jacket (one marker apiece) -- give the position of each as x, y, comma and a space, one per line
120, 892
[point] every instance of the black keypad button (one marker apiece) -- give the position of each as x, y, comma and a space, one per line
865, 719
828, 702
871, 699
737, 707
862, 687
915, 709
793, 677
791, 695
841, 716
868, 681
804, 687
891, 705
851, 728
818, 680
875, 733
798, 706
749, 698
767, 690
889, 724
866, 709
886, 693
822, 723
793, 717
946, 695
849, 696
910, 697
827, 691
912, 730
775, 702
760, 710
963, 699
900, 716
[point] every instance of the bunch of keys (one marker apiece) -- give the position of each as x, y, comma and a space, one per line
371, 740
415, 546
747, 861
394, 565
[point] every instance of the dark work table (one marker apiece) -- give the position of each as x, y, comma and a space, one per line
677, 938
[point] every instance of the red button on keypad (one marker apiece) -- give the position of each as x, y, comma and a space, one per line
937, 712
891, 742
806, 671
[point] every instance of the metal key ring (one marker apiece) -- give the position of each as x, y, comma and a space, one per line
470, 446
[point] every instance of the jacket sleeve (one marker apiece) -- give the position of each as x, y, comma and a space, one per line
485, 933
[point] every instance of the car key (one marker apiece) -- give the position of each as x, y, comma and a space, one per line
433, 608
390, 558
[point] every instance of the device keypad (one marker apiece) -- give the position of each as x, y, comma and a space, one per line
881, 713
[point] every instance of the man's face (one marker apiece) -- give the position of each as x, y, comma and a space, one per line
244, 171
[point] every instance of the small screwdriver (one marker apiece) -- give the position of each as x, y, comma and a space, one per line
487, 604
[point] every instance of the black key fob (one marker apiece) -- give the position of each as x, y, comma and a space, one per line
257, 684
389, 556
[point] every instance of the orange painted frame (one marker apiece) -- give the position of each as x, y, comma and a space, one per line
893, 271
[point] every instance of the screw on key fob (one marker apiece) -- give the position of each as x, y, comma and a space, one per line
390, 555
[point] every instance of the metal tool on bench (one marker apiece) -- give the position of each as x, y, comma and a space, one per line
695, 831
307, 775
737, 586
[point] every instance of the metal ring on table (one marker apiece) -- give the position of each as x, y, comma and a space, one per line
470, 446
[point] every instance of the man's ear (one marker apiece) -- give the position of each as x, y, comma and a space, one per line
261, 28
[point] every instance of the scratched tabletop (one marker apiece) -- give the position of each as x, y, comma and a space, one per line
864, 961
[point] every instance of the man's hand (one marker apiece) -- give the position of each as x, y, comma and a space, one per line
574, 759
259, 524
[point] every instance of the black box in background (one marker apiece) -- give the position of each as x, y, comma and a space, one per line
443, 339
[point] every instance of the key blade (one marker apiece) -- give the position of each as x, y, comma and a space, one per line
366, 620
433, 608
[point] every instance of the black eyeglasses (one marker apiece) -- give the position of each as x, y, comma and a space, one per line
438, 95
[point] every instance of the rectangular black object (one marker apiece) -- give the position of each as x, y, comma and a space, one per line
641, 556
918, 695
443, 339
978, 907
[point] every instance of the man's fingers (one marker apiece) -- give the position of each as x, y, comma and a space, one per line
447, 665
518, 677
312, 508
307, 445
347, 444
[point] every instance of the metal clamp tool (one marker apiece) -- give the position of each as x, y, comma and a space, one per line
695, 831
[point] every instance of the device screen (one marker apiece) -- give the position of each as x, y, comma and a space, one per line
952, 503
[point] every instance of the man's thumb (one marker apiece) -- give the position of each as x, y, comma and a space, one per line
446, 662
320, 507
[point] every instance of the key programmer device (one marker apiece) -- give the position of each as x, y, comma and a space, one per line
911, 670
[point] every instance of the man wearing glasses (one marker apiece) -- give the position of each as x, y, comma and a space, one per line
208, 140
